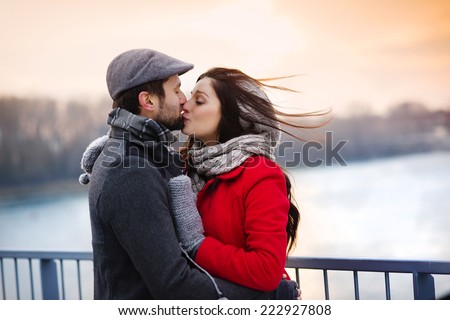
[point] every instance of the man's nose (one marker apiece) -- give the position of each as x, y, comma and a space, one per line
182, 98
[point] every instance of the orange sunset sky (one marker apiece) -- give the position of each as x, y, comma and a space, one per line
348, 52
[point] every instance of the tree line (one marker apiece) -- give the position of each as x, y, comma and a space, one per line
407, 128
42, 140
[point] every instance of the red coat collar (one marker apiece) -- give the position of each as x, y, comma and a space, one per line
227, 175
234, 173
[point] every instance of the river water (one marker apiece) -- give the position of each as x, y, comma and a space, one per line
396, 208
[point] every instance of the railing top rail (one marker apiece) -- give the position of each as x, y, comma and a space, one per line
68, 255
370, 265
339, 264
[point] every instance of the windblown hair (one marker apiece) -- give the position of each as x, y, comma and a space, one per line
234, 90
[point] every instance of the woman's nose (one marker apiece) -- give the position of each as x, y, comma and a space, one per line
186, 106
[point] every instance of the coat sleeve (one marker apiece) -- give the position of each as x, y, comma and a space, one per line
143, 226
260, 264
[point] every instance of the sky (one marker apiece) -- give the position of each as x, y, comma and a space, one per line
347, 54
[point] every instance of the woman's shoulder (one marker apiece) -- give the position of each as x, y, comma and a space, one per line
264, 173
258, 167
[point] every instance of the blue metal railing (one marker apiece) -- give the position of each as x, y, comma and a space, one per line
422, 272
50, 268
45, 275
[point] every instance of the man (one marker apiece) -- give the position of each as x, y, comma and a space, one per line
136, 250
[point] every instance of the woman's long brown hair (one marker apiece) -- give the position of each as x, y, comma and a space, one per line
227, 84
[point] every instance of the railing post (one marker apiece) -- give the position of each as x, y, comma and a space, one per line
423, 286
49, 279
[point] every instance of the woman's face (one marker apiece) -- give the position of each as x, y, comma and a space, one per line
201, 113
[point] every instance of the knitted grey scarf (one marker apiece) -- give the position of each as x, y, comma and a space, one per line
142, 127
213, 160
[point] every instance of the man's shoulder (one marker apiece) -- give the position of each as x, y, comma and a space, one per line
127, 178
121, 162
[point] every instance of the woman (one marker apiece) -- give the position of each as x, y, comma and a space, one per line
243, 196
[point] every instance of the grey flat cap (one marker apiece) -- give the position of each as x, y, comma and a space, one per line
138, 66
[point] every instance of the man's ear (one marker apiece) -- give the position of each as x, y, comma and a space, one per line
148, 101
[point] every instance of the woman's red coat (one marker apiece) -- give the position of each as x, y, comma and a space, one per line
245, 213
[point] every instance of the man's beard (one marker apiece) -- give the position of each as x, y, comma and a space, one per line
174, 125
166, 120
